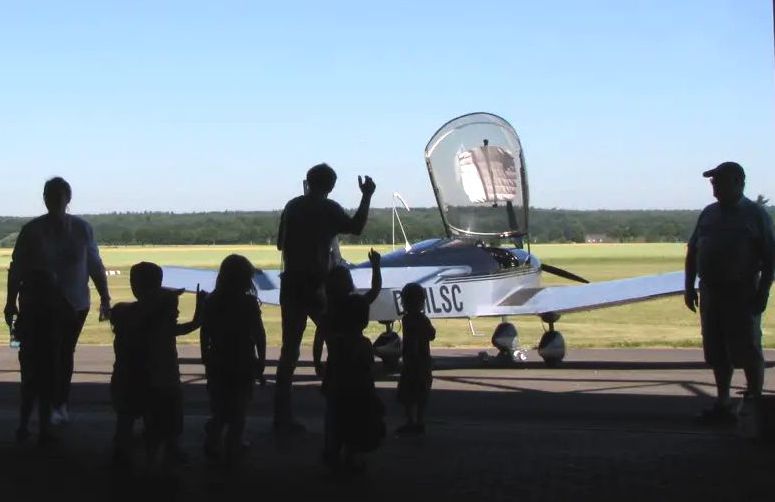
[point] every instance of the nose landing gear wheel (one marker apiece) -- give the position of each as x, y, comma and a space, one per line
387, 347
552, 348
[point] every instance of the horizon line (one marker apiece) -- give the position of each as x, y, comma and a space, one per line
389, 208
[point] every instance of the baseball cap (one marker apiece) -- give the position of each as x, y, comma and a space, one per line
726, 168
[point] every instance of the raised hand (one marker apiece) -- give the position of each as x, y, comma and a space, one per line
374, 258
201, 295
367, 187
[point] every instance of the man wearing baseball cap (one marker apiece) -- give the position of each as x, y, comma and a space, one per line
732, 252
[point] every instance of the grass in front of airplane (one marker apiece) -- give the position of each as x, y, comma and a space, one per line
659, 323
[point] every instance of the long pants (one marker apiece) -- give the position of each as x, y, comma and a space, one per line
38, 361
298, 300
70, 322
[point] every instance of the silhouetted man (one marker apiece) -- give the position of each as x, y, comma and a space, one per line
62, 246
308, 226
732, 251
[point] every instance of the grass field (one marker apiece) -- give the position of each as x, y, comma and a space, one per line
659, 323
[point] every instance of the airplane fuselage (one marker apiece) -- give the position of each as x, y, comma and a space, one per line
479, 276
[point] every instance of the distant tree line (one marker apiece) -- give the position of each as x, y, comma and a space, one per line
260, 227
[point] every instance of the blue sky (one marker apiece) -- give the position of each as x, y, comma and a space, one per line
195, 106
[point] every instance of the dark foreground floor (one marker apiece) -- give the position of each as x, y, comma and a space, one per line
607, 425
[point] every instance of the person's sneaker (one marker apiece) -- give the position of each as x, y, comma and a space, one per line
717, 415
22, 433
289, 427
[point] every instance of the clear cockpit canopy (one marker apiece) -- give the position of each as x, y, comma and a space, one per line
478, 173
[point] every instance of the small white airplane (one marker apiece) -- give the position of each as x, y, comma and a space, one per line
477, 169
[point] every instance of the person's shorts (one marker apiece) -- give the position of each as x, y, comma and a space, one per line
302, 294
731, 332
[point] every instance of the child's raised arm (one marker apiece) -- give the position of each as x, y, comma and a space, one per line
187, 327
376, 276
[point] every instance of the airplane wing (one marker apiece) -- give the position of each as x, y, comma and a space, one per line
563, 299
268, 281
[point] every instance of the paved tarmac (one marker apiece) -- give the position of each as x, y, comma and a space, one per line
605, 425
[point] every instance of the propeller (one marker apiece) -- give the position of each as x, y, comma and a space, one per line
549, 269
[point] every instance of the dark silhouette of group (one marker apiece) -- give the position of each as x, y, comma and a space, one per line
56, 254
731, 250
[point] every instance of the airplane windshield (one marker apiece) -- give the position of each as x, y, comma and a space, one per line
478, 173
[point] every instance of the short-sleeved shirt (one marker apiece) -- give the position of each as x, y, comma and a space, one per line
308, 227
130, 345
418, 333
68, 252
232, 332
732, 243
159, 318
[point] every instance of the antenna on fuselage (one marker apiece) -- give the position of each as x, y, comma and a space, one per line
395, 217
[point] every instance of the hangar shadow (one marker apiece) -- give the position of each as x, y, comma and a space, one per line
568, 437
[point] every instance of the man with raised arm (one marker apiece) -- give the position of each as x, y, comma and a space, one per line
308, 226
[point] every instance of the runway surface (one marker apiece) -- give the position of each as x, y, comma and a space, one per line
607, 424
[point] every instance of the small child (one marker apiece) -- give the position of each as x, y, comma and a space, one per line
129, 381
339, 289
233, 344
354, 412
339, 285
146, 379
416, 378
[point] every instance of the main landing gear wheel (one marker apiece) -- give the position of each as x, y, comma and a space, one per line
552, 345
387, 347
506, 339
